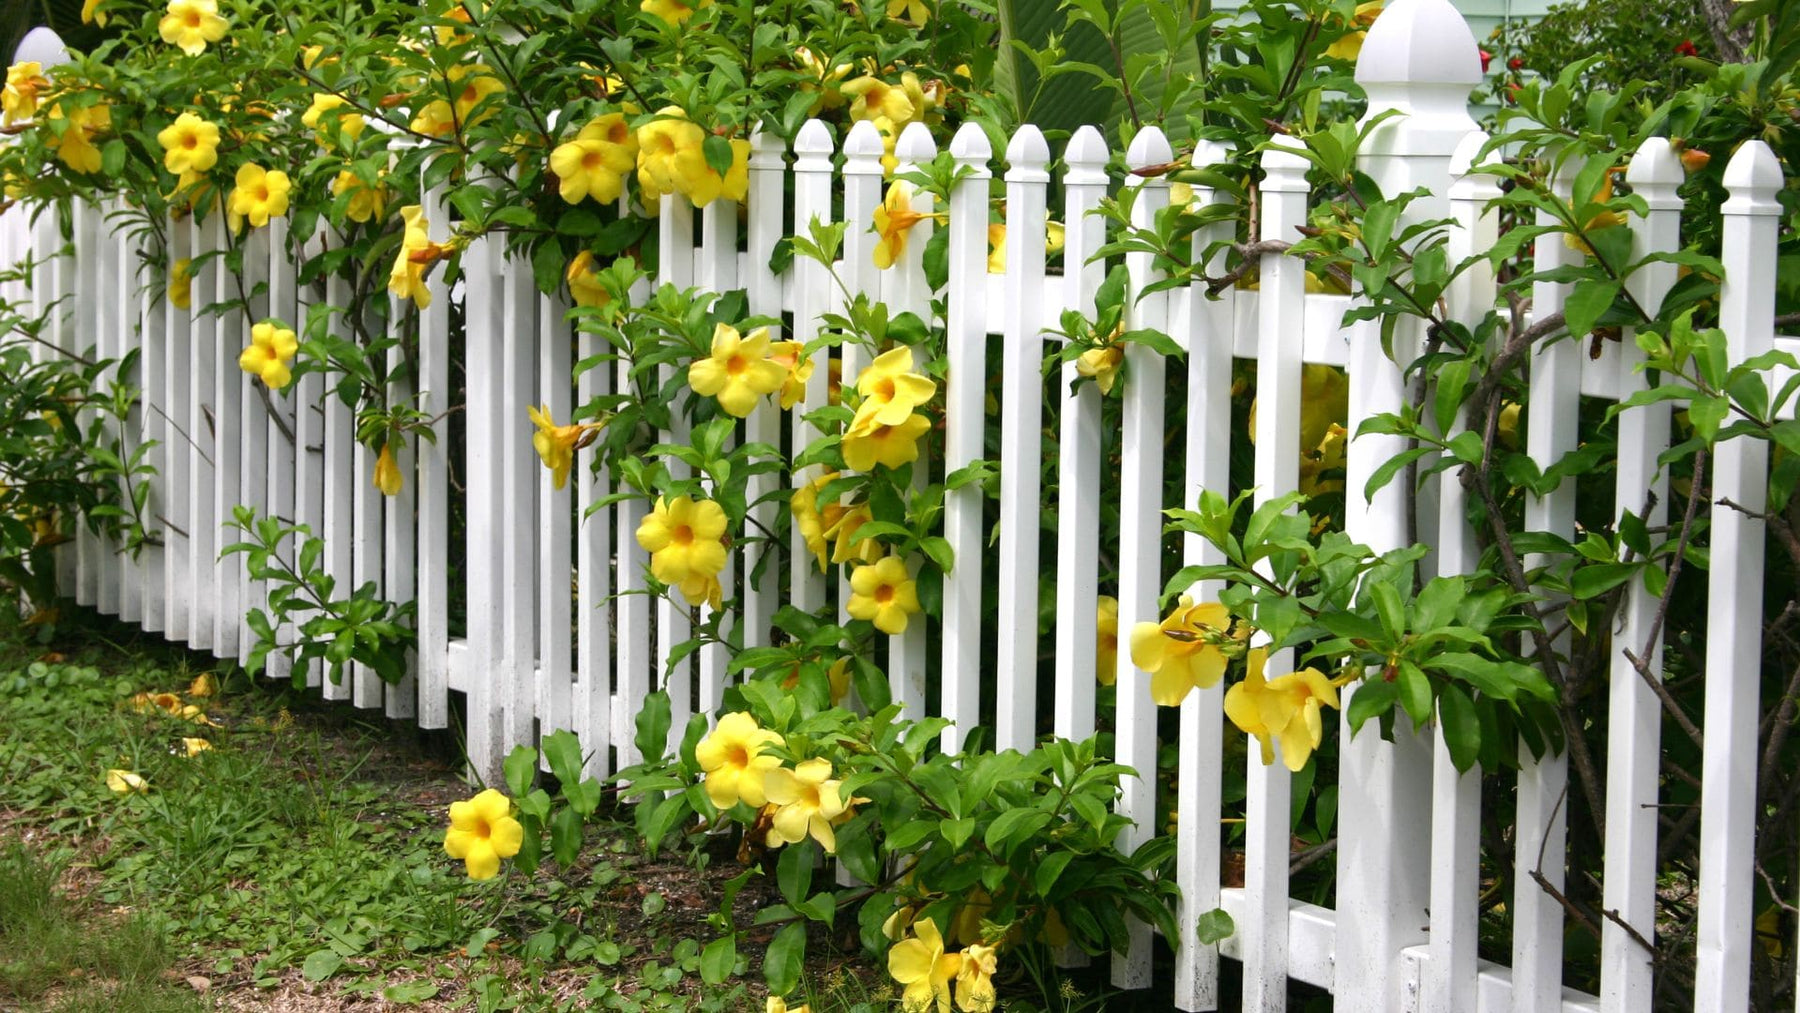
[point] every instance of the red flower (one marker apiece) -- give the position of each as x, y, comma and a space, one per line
1486, 58
1516, 63
1686, 48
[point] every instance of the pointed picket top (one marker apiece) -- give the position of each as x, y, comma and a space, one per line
1656, 174
1028, 156
1464, 183
766, 150
1419, 42
42, 46
1753, 178
1284, 172
916, 147
971, 149
1086, 157
813, 147
863, 150
1148, 148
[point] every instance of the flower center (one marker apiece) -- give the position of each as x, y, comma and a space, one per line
739, 756
591, 160
884, 388
260, 193
736, 365
192, 18
682, 535
190, 141
482, 829
884, 594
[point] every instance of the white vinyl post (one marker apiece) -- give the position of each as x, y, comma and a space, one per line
435, 399
764, 229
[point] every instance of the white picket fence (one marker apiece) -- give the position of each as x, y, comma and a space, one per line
1407, 858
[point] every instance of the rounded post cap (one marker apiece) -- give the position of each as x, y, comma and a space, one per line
1086, 156
1655, 174
1753, 178
766, 149
814, 138
1028, 156
1422, 42
915, 146
43, 46
863, 150
970, 147
1148, 148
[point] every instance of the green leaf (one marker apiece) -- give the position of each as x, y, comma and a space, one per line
1371, 699
410, 993
653, 722
1461, 727
1215, 926
520, 767
321, 964
719, 959
794, 872
563, 750
718, 153
1050, 869
1415, 692
1587, 300
565, 836
782, 961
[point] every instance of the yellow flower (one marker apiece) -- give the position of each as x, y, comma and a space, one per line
556, 445
197, 716
921, 965
786, 354
975, 979
584, 282
889, 446
1507, 425
883, 593
417, 254
873, 97
447, 36
190, 144
594, 164
1054, 237
181, 283
366, 202
191, 24
1600, 219
482, 832
1102, 364
826, 81
387, 476
195, 747
777, 1004
842, 532
912, 11
19, 98
1285, 708
813, 521
1349, 46
124, 782
1106, 640
91, 14
325, 108
203, 685
167, 702
469, 84
1327, 457
893, 219
806, 800
1182, 653
434, 120
671, 157
735, 761
259, 195
1324, 401
270, 352
674, 12
890, 390
75, 146
684, 539
738, 371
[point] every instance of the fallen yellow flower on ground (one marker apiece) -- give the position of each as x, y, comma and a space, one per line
124, 782
195, 747
203, 685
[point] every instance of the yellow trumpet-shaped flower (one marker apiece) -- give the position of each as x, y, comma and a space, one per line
674, 12
1054, 237
786, 354
91, 14
325, 108
24, 83
813, 520
181, 283
482, 832
894, 218
594, 164
260, 194
975, 979
890, 390
1285, 709
434, 119
846, 548
417, 253
190, 144
75, 146
366, 202
827, 81
584, 281
556, 445
1106, 640
924, 970
685, 539
888, 446
776, 1004
1349, 45
1182, 653
469, 85
269, 354
1600, 219
735, 761
194, 747
885, 594
203, 685
671, 156
387, 476
739, 370
124, 782
1324, 402
191, 24
1102, 364
807, 799
872, 97
913, 12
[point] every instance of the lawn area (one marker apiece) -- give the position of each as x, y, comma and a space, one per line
295, 863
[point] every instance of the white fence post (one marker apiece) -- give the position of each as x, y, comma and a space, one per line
1420, 59
1734, 602
435, 398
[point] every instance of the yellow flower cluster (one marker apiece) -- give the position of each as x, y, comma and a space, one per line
595, 163
482, 832
270, 354
75, 146
686, 542
805, 801
468, 84
327, 117
886, 428
1285, 709
927, 973
671, 158
835, 523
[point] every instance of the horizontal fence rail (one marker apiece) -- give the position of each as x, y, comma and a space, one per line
550, 634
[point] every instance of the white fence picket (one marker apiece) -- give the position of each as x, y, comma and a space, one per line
675, 266
483, 472
399, 570
768, 169
516, 497
253, 446
203, 543
434, 455
813, 147
279, 472
555, 522
340, 464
